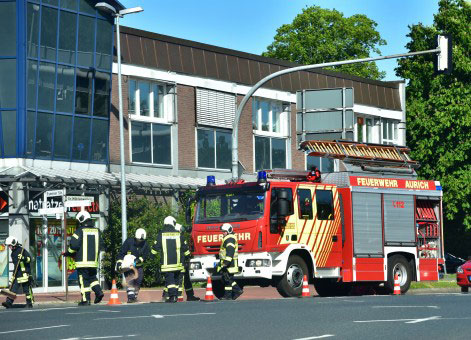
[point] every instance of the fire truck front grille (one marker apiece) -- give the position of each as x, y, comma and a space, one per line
214, 249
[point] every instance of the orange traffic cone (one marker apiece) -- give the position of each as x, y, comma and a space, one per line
397, 285
114, 299
305, 288
209, 291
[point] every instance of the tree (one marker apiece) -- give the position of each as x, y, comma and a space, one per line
439, 115
320, 35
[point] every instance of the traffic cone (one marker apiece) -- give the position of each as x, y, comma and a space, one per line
397, 286
209, 291
305, 288
180, 298
114, 299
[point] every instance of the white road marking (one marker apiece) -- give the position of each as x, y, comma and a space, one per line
45, 309
103, 337
402, 320
33, 329
404, 307
94, 312
156, 316
425, 319
316, 337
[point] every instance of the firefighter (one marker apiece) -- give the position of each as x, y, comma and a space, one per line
172, 248
85, 246
138, 247
228, 266
185, 273
22, 262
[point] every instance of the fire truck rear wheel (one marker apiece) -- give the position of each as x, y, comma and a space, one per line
291, 283
398, 264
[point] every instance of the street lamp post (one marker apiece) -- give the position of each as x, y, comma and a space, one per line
117, 15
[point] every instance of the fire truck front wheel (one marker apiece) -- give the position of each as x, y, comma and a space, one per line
291, 283
398, 264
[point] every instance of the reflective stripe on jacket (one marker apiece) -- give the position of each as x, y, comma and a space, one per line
229, 252
172, 248
86, 242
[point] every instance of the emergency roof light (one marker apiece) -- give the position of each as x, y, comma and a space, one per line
210, 180
262, 177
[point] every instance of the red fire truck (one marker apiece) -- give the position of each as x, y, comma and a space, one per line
362, 225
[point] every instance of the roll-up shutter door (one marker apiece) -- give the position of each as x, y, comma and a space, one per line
367, 227
399, 219
215, 108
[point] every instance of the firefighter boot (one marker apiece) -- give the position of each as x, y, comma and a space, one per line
8, 303
29, 303
172, 299
227, 295
192, 297
236, 293
87, 301
98, 294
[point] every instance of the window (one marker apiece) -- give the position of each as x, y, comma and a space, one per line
33, 28
65, 89
63, 136
102, 94
67, 37
149, 99
103, 44
325, 205
390, 135
7, 83
151, 143
43, 134
9, 133
86, 40
83, 92
323, 164
269, 117
305, 204
81, 142
46, 86
270, 153
273, 206
214, 149
48, 33
8, 28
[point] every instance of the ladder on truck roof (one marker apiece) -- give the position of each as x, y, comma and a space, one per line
355, 152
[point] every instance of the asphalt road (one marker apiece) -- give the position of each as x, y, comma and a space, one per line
431, 316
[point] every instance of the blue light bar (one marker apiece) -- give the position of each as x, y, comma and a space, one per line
262, 176
210, 180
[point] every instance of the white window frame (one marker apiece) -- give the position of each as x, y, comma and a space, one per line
335, 162
395, 131
214, 129
284, 118
270, 137
373, 132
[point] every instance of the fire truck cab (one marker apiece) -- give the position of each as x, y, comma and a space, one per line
364, 225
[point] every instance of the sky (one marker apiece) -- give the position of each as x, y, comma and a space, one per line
250, 26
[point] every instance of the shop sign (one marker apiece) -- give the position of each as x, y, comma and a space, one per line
3, 202
56, 202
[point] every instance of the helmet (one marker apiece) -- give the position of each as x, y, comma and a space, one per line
11, 241
178, 227
140, 234
227, 228
170, 220
83, 216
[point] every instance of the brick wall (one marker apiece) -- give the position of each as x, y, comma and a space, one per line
186, 106
297, 157
246, 147
114, 121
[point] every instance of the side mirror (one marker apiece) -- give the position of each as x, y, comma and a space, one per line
188, 217
282, 204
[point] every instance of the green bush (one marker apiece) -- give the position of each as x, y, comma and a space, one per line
141, 213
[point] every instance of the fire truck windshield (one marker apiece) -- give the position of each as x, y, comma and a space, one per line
227, 206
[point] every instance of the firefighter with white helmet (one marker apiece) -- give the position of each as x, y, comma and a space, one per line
184, 278
85, 246
22, 263
173, 249
138, 247
228, 265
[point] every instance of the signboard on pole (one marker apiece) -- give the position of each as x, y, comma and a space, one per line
51, 211
55, 193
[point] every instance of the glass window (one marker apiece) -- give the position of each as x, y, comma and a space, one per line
255, 109
276, 113
30, 127
86, 40
67, 37
87, 6
161, 142
262, 153
80, 146
48, 33
51, 2
8, 28
7, 83
206, 148
47, 73
33, 30
65, 89
103, 44
31, 83
69, 4
44, 135
223, 150
62, 136
99, 140
278, 150
144, 91
305, 204
102, 94
141, 142
325, 205
274, 198
132, 96
323, 164
83, 94
369, 130
265, 107
158, 92
9, 133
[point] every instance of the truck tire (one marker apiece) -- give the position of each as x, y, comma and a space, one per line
397, 264
291, 283
331, 287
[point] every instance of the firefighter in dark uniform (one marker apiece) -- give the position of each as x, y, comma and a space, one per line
85, 246
228, 265
138, 247
172, 248
185, 273
22, 261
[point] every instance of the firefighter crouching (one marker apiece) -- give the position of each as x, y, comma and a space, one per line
138, 247
228, 265
85, 246
172, 248
185, 273
21, 261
